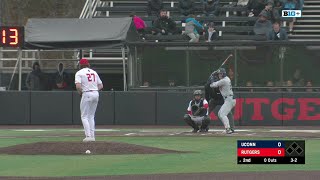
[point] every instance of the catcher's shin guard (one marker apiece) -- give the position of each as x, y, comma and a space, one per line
191, 123
205, 123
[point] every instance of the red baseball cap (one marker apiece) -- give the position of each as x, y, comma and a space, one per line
84, 61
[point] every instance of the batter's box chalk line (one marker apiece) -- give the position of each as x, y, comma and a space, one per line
98, 130
32, 130
237, 130
295, 131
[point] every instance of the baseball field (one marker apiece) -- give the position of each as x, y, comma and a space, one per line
131, 152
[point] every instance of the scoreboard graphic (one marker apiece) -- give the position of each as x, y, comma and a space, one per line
271, 152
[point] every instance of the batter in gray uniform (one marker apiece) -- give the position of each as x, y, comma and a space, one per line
225, 88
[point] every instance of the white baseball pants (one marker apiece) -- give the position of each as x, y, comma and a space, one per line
88, 106
225, 109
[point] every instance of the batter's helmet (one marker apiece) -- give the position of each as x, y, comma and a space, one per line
222, 71
197, 92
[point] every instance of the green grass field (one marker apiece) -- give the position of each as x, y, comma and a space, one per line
210, 154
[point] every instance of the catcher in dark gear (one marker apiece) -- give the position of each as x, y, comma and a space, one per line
198, 113
214, 97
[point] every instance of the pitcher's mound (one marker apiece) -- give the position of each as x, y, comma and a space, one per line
77, 148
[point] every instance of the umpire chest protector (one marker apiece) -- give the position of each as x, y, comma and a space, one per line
213, 93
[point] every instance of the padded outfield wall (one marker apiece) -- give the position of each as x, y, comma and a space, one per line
155, 108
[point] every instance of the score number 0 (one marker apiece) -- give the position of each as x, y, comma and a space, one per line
279, 145
13, 38
279, 152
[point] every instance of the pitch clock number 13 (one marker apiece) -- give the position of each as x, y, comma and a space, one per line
11, 36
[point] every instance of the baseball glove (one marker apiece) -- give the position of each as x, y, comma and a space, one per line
198, 111
195, 110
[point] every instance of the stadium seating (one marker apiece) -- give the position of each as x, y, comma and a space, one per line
228, 24
185, 38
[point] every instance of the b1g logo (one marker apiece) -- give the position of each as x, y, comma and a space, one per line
291, 13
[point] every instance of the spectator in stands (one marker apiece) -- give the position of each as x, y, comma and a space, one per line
262, 25
164, 25
277, 33
60, 85
255, 7
300, 4
290, 5
212, 33
186, 7
277, 10
309, 86
139, 24
268, 11
146, 84
270, 84
154, 7
298, 80
289, 84
242, 2
249, 84
210, 7
61, 78
191, 28
36, 80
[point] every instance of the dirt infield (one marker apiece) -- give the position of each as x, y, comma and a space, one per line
297, 132
281, 175
78, 148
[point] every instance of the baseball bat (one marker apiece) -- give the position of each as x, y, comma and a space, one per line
230, 55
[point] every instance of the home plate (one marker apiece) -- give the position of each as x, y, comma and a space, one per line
129, 134
251, 134
153, 131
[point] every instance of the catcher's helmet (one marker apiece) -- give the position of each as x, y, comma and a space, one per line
197, 92
222, 71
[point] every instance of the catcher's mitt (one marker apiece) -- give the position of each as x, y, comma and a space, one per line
195, 110
198, 111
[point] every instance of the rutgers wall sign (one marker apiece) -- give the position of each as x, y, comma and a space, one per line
156, 108
276, 109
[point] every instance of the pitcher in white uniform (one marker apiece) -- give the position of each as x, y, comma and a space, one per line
88, 83
225, 88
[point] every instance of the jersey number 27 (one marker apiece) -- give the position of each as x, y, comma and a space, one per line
91, 76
